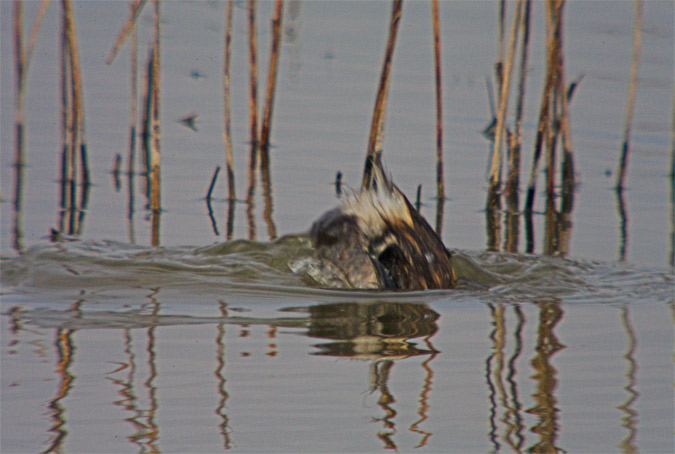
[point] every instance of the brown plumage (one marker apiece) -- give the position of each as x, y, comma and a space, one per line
376, 239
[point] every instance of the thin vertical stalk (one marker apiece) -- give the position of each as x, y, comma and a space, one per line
440, 186
630, 102
495, 165
155, 152
146, 127
267, 117
128, 29
671, 260
66, 180
499, 65
623, 225
133, 119
515, 140
22, 59
253, 116
227, 134
19, 158
272, 76
34, 33
377, 127
543, 125
513, 178
74, 93
564, 98
76, 87
133, 91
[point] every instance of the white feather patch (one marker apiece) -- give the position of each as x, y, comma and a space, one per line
376, 207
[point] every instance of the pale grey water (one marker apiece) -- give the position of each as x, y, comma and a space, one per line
109, 346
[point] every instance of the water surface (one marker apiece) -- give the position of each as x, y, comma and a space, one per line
203, 345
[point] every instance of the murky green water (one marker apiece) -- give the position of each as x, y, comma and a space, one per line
203, 345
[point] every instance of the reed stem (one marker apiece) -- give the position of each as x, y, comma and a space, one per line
127, 30
440, 185
544, 112
377, 127
19, 158
494, 175
227, 134
630, 102
155, 152
266, 129
253, 116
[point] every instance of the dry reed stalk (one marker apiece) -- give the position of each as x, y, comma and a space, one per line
64, 72
551, 143
374, 151
155, 152
146, 128
34, 33
494, 175
499, 64
19, 92
227, 134
630, 102
543, 124
511, 234
266, 128
568, 172
671, 260
253, 116
133, 120
127, 30
550, 228
253, 85
271, 77
76, 87
513, 177
133, 91
440, 186
74, 124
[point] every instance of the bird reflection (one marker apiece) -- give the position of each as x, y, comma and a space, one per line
382, 332
375, 330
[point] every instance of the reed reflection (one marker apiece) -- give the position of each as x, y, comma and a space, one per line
65, 356
630, 419
142, 420
222, 381
500, 374
545, 377
506, 417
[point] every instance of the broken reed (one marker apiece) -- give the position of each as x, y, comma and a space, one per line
374, 151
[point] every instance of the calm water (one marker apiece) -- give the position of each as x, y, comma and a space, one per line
110, 345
